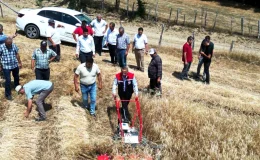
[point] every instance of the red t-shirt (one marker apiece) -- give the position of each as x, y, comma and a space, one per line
79, 30
187, 48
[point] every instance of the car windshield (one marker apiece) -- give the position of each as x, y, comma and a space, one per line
82, 17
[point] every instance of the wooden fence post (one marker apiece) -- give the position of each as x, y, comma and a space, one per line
1, 11
102, 5
156, 8
170, 17
202, 13
127, 8
193, 42
195, 18
231, 46
242, 25
160, 41
149, 14
184, 19
206, 14
231, 28
133, 10
177, 16
258, 29
215, 21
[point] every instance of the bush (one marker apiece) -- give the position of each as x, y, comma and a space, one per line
141, 9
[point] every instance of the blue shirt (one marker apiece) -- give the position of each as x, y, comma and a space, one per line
122, 41
36, 87
8, 56
42, 58
2, 38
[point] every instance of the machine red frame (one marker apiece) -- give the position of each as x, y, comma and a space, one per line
136, 114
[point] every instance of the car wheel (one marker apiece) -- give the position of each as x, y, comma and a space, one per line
32, 31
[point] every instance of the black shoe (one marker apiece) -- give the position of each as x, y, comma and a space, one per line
40, 119
93, 115
10, 98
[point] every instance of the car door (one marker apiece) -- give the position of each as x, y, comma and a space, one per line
70, 23
42, 22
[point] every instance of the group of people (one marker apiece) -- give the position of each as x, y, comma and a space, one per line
205, 55
87, 72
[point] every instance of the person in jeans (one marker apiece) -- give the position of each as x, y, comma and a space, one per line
207, 55
99, 24
186, 57
53, 38
11, 62
123, 45
155, 72
87, 72
43, 89
79, 30
111, 42
127, 84
85, 46
40, 61
140, 46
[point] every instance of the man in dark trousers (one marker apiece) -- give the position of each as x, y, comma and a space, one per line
186, 57
127, 84
206, 53
40, 87
111, 42
155, 72
41, 59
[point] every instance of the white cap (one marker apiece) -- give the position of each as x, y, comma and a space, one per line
152, 51
18, 88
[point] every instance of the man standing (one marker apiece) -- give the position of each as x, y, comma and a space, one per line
88, 72
53, 37
111, 42
41, 87
123, 45
206, 53
140, 46
155, 72
186, 57
98, 24
79, 31
127, 84
11, 62
85, 46
42, 57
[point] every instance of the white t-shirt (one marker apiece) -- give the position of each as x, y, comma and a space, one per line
54, 34
87, 76
140, 41
99, 27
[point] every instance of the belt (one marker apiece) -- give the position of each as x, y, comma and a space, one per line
139, 49
88, 84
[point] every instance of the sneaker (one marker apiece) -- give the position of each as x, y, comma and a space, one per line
40, 119
10, 98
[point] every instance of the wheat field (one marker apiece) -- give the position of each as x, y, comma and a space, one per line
190, 121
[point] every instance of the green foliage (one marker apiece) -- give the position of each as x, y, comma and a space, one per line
141, 9
39, 2
79, 4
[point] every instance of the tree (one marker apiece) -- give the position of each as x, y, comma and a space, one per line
117, 4
141, 8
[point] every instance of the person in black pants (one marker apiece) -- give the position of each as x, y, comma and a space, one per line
127, 84
41, 58
111, 42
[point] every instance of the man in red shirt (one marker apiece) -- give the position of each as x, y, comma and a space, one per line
79, 30
186, 58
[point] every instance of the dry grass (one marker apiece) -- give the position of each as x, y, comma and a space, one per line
191, 121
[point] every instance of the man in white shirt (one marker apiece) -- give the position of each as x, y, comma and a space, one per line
140, 46
88, 72
85, 46
53, 38
111, 42
98, 24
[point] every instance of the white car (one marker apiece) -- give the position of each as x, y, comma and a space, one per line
35, 21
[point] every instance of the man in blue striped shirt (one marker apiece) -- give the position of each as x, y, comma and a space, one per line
40, 61
11, 62
123, 45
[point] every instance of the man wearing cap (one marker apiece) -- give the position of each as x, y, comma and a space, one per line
99, 24
140, 46
111, 42
206, 53
186, 58
123, 45
11, 62
155, 72
41, 58
85, 46
127, 84
32, 88
53, 38
87, 72
79, 30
